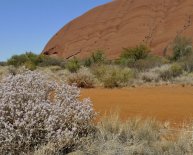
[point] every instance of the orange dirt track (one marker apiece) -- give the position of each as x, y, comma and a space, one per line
165, 103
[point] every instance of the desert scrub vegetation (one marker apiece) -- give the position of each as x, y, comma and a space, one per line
31, 61
167, 72
82, 78
36, 111
182, 47
113, 76
173, 71
148, 63
131, 55
134, 66
97, 57
73, 65
136, 137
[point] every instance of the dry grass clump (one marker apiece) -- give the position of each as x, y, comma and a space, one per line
185, 79
82, 78
3, 71
55, 72
172, 72
136, 137
153, 75
36, 111
168, 72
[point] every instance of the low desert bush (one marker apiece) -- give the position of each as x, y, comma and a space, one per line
149, 76
187, 63
36, 111
185, 79
31, 61
83, 78
87, 62
148, 63
181, 47
113, 76
30, 65
73, 65
28, 60
173, 71
97, 57
44, 61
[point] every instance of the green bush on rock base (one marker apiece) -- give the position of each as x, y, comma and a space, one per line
136, 53
181, 47
73, 65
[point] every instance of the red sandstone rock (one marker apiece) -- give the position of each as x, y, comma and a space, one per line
124, 23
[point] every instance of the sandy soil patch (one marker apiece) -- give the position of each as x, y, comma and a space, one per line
165, 103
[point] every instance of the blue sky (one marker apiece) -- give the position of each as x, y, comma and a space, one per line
27, 25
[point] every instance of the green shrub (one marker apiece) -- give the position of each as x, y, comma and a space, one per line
99, 71
134, 54
73, 65
113, 76
176, 70
30, 65
87, 62
44, 60
181, 47
98, 56
31, 60
19, 60
126, 62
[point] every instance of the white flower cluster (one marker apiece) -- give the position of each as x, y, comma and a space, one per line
34, 111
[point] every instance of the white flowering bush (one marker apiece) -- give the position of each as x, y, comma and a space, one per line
35, 111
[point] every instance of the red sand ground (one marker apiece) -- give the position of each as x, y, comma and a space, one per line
165, 103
